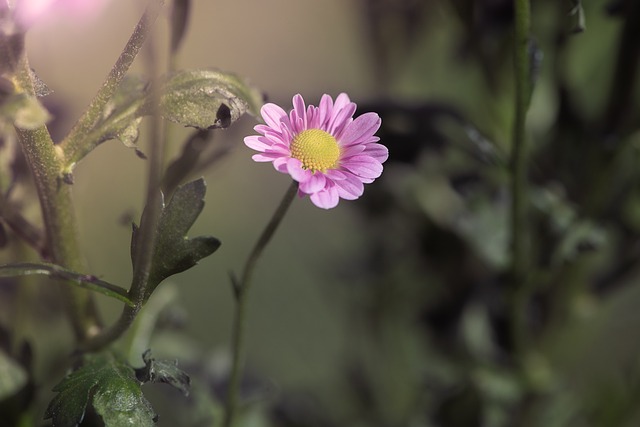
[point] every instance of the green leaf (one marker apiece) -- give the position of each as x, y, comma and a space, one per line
110, 386
57, 272
207, 99
203, 99
161, 371
174, 252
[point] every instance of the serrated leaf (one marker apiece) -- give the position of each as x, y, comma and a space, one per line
162, 371
207, 99
174, 252
110, 386
57, 272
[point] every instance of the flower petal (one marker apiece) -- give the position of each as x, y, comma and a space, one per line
272, 115
315, 183
258, 143
350, 188
363, 166
281, 164
265, 157
294, 167
326, 199
377, 151
360, 129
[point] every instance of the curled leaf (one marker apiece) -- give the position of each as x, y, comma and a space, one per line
207, 99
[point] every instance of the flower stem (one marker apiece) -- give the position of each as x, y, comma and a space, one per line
241, 290
519, 193
75, 146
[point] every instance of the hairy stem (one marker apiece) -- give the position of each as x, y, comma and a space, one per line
75, 146
241, 289
519, 191
58, 213
143, 256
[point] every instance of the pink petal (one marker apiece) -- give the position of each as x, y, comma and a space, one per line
294, 167
350, 188
272, 115
315, 183
377, 151
335, 175
326, 199
324, 110
281, 164
352, 150
360, 129
257, 143
265, 157
363, 166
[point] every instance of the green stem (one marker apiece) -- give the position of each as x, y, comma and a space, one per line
75, 146
241, 293
143, 256
519, 192
58, 213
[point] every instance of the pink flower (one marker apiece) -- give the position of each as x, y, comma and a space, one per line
328, 152
29, 12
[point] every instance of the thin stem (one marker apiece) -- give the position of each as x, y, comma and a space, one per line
75, 146
143, 256
519, 193
241, 289
58, 213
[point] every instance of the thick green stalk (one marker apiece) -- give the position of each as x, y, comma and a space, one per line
58, 214
519, 160
241, 289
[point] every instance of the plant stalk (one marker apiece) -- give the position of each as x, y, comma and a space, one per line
58, 214
75, 146
241, 290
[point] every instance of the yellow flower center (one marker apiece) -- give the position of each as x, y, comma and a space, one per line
316, 149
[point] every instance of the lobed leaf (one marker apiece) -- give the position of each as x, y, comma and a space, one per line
174, 252
110, 386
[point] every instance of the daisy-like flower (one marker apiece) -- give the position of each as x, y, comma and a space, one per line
328, 152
